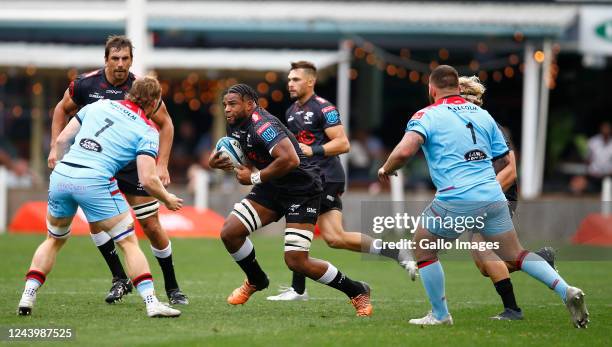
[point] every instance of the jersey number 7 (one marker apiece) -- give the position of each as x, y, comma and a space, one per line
108, 124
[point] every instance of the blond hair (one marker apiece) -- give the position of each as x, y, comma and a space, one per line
471, 89
144, 91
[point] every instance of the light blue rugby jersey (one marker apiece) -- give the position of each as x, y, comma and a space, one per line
112, 134
461, 140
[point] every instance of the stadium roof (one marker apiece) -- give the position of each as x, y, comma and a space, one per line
62, 56
366, 17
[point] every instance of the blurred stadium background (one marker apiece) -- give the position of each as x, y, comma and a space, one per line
545, 64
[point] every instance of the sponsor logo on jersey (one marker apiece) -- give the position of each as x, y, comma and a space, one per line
111, 91
294, 207
96, 96
290, 119
256, 117
418, 115
306, 137
330, 198
267, 132
90, 145
467, 107
474, 155
311, 210
332, 117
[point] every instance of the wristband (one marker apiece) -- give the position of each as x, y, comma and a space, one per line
256, 177
318, 151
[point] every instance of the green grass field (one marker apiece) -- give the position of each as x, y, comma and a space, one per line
74, 292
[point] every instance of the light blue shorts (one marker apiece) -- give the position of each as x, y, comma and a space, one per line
451, 219
98, 197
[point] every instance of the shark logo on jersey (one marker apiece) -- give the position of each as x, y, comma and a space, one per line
308, 117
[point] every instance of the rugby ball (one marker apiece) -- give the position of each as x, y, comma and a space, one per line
231, 148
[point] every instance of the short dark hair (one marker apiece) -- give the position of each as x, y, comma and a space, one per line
306, 65
117, 42
444, 77
245, 91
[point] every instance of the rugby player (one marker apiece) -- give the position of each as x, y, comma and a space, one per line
285, 184
112, 82
489, 264
459, 140
103, 137
316, 124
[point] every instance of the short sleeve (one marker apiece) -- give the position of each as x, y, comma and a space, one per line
149, 144
80, 116
499, 144
330, 116
421, 124
269, 134
75, 89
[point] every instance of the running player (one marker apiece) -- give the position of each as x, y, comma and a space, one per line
316, 124
106, 136
489, 264
112, 82
459, 140
285, 184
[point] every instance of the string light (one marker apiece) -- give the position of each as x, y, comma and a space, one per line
263, 88
277, 96
271, 77
539, 56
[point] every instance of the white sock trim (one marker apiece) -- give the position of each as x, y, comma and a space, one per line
244, 251
162, 253
100, 238
329, 275
374, 250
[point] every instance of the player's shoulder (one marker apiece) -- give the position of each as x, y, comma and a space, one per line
90, 76
321, 103
424, 112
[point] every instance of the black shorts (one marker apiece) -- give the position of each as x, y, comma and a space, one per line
331, 198
512, 205
296, 207
127, 180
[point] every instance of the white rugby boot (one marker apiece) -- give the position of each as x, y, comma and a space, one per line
429, 319
289, 294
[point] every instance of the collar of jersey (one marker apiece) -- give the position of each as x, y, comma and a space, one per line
450, 99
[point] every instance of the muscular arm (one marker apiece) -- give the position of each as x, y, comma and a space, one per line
505, 168
408, 146
166, 135
64, 108
285, 160
147, 175
338, 142
66, 138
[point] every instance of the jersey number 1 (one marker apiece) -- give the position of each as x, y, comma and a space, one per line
471, 127
108, 124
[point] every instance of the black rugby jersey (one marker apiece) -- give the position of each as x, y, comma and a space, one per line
308, 123
90, 87
258, 134
512, 192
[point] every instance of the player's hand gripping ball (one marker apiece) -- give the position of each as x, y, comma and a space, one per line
230, 148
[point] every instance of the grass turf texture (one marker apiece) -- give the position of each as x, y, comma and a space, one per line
73, 296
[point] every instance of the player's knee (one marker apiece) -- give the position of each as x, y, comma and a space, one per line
247, 215
58, 232
122, 230
482, 269
333, 240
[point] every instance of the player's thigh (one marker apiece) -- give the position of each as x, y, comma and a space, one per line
498, 228
257, 209
102, 200
61, 204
